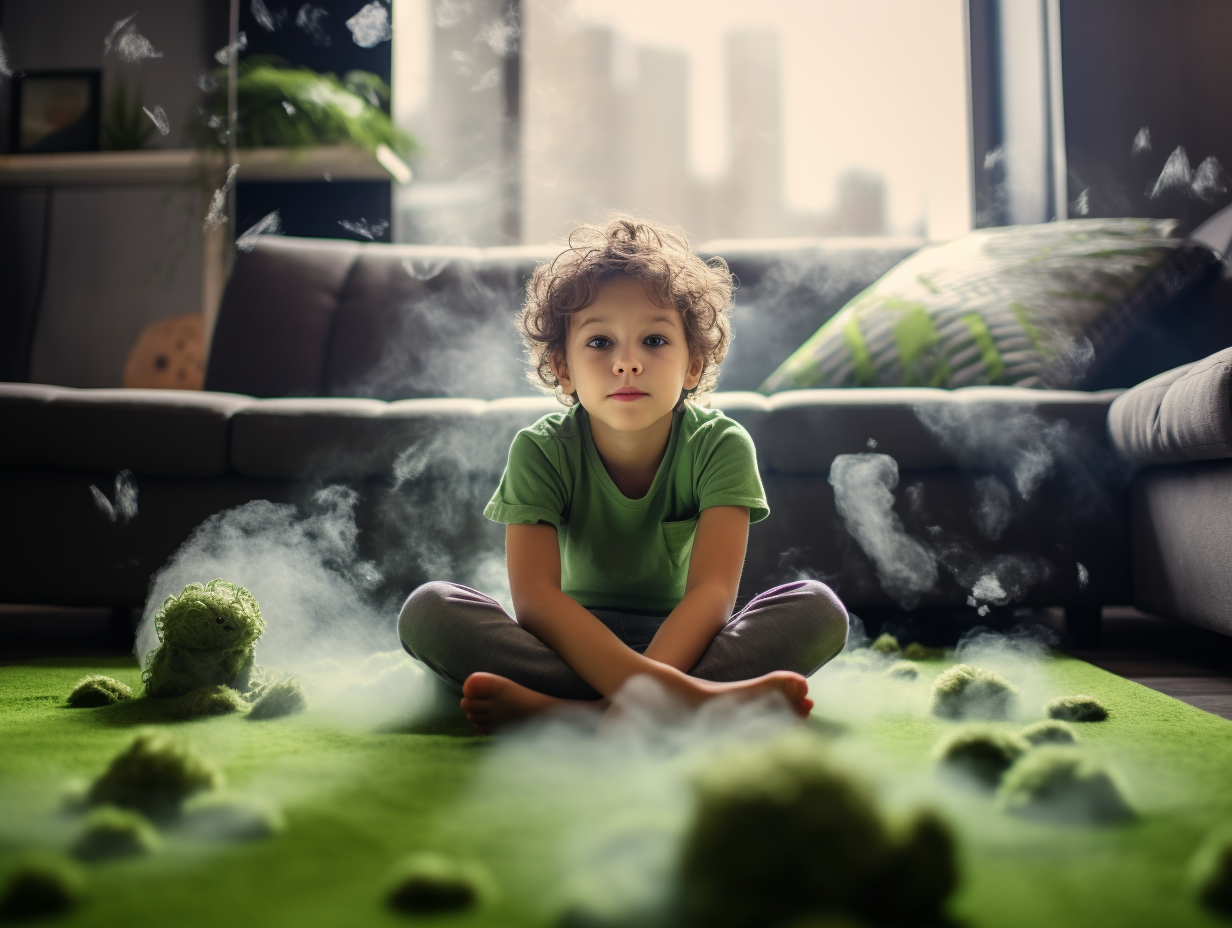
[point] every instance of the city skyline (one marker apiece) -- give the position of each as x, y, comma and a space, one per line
609, 123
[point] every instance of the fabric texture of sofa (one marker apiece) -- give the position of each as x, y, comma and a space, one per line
396, 371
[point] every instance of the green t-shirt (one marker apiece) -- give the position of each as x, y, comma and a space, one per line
616, 552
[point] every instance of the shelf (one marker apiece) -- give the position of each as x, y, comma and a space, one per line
182, 166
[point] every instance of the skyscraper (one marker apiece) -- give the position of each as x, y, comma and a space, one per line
755, 176
655, 142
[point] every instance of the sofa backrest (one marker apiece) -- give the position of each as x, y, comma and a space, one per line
312, 317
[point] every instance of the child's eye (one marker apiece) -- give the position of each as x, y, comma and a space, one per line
597, 338
662, 341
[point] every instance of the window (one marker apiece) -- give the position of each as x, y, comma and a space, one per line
770, 119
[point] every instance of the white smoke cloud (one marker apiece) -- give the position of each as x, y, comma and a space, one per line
6, 70
1209, 181
159, 117
224, 55
1142, 141
315, 591
127, 43
217, 214
364, 229
993, 510
370, 26
124, 509
615, 805
1205, 183
267, 225
908, 567
863, 493
267, 19
309, 18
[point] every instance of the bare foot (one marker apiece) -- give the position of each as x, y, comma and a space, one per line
791, 685
491, 701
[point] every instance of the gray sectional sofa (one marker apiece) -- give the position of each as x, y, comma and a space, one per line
396, 371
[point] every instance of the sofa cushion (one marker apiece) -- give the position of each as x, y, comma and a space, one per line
790, 287
276, 317
1031, 306
23, 410
802, 431
799, 432
419, 321
343, 438
1182, 415
165, 432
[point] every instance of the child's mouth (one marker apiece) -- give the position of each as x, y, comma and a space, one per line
628, 396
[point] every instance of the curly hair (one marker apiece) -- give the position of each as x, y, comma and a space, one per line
701, 291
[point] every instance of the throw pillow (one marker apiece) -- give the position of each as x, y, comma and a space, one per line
1026, 306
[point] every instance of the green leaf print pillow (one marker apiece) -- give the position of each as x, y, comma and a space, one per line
1026, 306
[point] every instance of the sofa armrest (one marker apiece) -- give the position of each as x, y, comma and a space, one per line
1182, 415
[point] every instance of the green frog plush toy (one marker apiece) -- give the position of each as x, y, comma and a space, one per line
209, 638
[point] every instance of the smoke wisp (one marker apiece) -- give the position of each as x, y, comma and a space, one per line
370, 26
127, 43
270, 224
863, 493
124, 508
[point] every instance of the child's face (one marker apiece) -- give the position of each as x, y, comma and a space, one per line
622, 341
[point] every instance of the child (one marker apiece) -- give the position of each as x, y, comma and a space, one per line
627, 515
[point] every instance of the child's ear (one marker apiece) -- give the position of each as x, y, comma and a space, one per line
561, 370
693, 375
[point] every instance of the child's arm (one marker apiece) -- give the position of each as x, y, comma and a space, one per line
560, 622
715, 565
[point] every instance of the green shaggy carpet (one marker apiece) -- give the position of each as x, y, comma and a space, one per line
547, 830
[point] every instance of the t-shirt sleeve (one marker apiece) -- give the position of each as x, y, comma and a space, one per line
728, 472
531, 490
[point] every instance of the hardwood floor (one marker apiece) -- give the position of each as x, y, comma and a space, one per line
1190, 664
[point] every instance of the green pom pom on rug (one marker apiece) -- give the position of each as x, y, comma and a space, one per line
967, 692
1049, 731
1211, 875
154, 775
40, 889
782, 833
980, 753
113, 832
903, 670
429, 884
209, 700
885, 644
1061, 784
98, 690
286, 697
1077, 709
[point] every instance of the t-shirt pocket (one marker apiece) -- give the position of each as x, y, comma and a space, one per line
678, 537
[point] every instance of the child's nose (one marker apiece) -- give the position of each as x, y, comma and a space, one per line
628, 364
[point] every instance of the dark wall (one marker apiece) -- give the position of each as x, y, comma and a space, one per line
1163, 64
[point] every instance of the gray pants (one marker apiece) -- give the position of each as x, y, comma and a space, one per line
457, 631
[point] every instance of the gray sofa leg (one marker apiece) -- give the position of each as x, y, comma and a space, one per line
1085, 625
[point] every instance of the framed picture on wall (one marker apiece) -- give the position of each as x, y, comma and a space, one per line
56, 111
